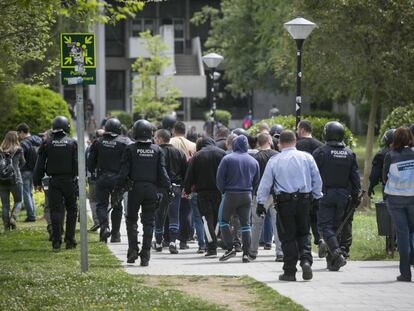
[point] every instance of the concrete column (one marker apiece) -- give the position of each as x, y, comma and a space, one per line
97, 93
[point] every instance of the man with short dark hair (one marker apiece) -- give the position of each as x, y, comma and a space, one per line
309, 144
221, 135
295, 180
29, 144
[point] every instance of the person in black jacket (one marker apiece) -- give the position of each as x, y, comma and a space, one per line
105, 157
221, 136
176, 166
58, 158
201, 178
29, 144
143, 163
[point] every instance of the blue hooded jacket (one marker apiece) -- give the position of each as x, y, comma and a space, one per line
238, 171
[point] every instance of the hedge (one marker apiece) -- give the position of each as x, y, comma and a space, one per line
400, 116
123, 116
222, 116
318, 124
34, 105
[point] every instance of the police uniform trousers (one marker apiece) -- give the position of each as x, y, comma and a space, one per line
62, 195
143, 195
105, 186
332, 208
293, 225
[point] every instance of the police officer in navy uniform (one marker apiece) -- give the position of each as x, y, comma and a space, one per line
143, 163
105, 157
341, 182
57, 157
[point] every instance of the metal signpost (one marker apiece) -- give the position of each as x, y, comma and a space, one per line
78, 67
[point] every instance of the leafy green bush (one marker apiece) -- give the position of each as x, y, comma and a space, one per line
318, 124
123, 116
400, 116
34, 105
222, 116
340, 116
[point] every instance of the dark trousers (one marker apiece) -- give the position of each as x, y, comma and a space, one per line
62, 195
331, 213
236, 204
142, 195
208, 205
313, 213
186, 215
170, 209
105, 186
293, 229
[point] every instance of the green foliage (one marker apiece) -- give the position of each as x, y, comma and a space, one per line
123, 116
153, 95
222, 116
400, 116
339, 116
318, 125
34, 105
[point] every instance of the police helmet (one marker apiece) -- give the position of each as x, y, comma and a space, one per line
113, 126
60, 124
388, 137
334, 131
168, 122
276, 129
142, 131
239, 131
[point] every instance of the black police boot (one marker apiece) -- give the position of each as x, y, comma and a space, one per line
49, 231
6, 223
145, 257
116, 237
56, 246
338, 261
287, 277
307, 271
70, 244
322, 249
132, 255
104, 234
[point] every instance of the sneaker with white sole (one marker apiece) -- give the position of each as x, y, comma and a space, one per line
227, 255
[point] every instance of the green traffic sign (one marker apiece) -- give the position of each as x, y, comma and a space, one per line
78, 58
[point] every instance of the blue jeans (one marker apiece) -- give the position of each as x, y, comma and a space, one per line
267, 230
197, 221
402, 213
16, 192
27, 177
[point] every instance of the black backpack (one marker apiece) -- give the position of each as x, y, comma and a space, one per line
7, 173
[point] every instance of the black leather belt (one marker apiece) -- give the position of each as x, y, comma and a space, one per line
285, 197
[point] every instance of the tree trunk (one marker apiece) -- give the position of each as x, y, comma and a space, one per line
370, 144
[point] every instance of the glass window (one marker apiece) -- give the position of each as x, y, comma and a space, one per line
115, 39
149, 24
115, 90
140, 25
137, 27
179, 28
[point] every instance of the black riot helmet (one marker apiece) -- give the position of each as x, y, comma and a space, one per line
334, 131
168, 122
113, 126
388, 137
239, 131
142, 131
60, 124
276, 129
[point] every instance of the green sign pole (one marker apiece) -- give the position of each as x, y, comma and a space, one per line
78, 67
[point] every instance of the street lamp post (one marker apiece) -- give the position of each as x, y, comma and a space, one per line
212, 61
299, 28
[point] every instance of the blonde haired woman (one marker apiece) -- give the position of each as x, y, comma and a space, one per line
11, 160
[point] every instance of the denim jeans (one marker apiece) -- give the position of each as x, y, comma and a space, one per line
16, 192
197, 221
27, 177
402, 213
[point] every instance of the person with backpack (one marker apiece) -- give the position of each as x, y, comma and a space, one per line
11, 160
30, 144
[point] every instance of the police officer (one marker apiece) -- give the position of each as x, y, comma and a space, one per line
105, 158
176, 166
57, 157
295, 179
275, 132
378, 162
143, 163
341, 183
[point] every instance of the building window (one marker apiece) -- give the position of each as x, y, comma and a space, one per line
115, 90
141, 25
179, 36
115, 40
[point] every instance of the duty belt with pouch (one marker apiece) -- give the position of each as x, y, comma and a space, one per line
295, 196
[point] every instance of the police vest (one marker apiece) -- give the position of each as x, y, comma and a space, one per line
144, 162
61, 152
110, 150
336, 166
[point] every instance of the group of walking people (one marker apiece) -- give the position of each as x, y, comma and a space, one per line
222, 189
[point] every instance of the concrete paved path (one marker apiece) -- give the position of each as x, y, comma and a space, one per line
358, 286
